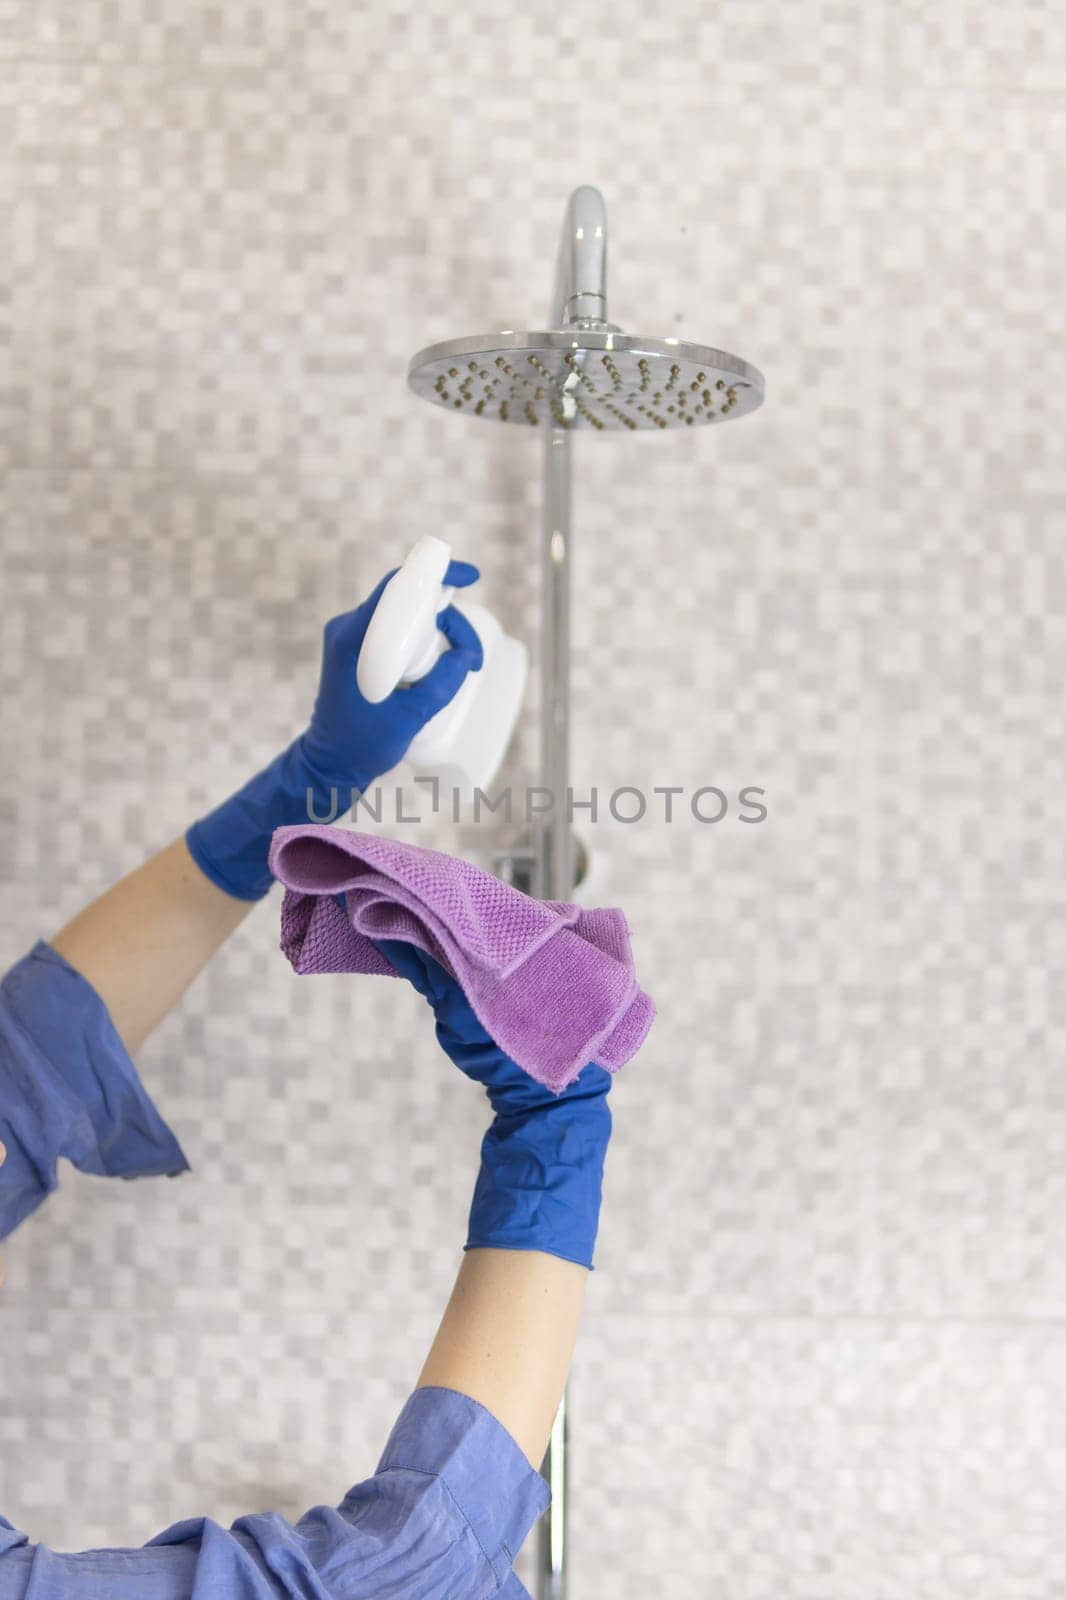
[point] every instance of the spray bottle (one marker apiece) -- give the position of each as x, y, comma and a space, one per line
464, 744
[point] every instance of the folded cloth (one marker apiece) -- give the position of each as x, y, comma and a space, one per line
552, 983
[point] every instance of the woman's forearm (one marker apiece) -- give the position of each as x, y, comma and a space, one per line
507, 1338
143, 941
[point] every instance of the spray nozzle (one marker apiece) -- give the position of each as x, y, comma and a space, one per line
403, 641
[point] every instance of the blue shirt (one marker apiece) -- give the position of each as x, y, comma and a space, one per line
452, 1498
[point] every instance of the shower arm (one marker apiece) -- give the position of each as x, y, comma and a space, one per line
579, 293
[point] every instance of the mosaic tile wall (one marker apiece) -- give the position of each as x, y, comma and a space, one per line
825, 1349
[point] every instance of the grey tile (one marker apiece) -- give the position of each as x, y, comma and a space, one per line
835, 1194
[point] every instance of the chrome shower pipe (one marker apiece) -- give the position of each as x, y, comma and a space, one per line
579, 296
650, 384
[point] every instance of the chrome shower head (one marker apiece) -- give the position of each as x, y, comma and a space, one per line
586, 375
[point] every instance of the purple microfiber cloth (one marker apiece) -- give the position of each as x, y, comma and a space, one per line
552, 983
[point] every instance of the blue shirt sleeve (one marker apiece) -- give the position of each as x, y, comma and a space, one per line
68, 1088
449, 1506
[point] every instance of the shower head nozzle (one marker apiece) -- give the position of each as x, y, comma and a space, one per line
586, 377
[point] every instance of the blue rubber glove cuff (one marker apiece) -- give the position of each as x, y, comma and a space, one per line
540, 1184
230, 845
542, 1159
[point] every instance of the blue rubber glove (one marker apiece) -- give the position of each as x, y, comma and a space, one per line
542, 1159
348, 743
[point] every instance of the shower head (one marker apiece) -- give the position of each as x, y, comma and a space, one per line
586, 375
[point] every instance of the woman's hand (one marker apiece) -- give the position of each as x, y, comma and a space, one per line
347, 744
351, 741
509, 1330
542, 1159
462, 1037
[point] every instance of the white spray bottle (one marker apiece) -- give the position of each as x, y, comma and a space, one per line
464, 744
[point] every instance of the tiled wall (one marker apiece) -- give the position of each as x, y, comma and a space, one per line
825, 1350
